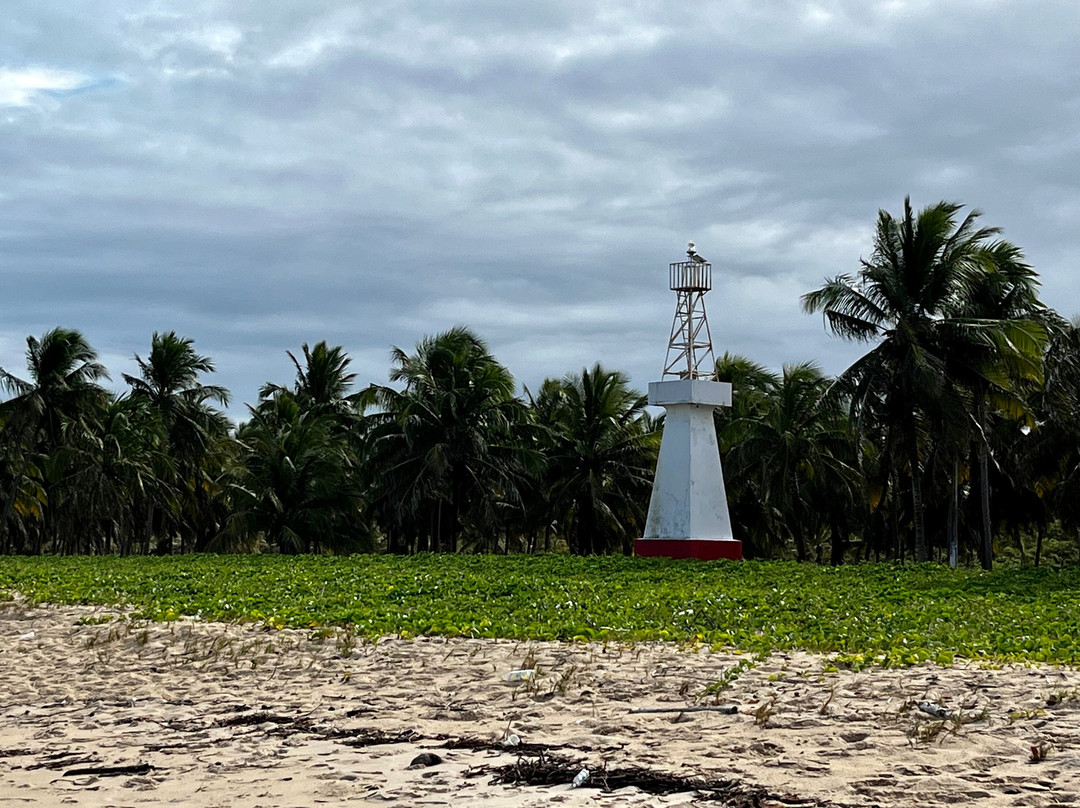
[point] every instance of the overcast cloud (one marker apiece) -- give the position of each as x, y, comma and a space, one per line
256, 175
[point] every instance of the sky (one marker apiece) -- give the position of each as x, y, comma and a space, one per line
259, 175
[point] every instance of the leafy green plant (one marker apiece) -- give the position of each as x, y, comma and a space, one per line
1062, 696
865, 615
714, 689
95, 620
1020, 715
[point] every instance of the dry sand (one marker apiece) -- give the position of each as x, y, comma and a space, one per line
227, 715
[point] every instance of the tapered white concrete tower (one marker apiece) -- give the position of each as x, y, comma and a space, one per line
688, 511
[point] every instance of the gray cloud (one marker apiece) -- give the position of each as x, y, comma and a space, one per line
257, 176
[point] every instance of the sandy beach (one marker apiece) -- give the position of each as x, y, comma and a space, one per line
100, 710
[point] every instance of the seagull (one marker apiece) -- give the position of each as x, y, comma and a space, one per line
692, 252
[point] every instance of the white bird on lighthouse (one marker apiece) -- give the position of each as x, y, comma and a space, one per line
691, 250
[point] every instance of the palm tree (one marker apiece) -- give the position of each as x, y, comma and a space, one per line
62, 394
168, 379
753, 385
1001, 370
909, 298
116, 471
178, 408
297, 487
786, 443
601, 454
1044, 453
322, 382
443, 448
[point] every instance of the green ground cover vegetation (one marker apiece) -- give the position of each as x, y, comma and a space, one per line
867, 614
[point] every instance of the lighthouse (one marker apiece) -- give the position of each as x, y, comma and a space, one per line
688, 511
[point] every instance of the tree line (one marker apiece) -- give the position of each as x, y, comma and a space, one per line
956, 433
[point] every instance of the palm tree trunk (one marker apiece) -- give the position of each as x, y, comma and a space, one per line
1019, 539
800, 543
894, 546
149, 529
839, 542
589, 543
954, 516
916, 496
449, 528
987, 555
436, 542
428, 543
46, 523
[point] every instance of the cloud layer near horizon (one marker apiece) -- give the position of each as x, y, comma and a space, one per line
256, 176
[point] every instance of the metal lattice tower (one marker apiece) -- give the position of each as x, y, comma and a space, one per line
690, 352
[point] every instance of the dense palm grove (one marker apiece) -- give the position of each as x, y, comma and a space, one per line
956, 435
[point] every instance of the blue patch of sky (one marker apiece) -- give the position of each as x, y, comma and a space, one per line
99, 83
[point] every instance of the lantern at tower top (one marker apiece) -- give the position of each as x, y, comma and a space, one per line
690, 352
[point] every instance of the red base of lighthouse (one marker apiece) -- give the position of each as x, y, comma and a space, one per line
701, 549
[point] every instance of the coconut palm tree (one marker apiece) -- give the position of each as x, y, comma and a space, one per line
1043, 472
322, 382
909, 298
752, 387
297, 488
178, 408
168, 378
60, 397
114, 474
1001, 370
443, 448
601, 452
789, 454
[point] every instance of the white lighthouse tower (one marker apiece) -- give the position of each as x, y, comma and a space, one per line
688, 511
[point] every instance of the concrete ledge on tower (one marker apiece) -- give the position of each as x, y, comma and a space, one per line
701, 549
690, 391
